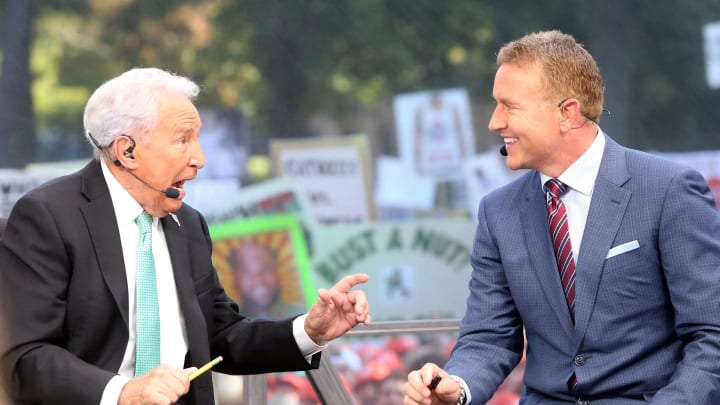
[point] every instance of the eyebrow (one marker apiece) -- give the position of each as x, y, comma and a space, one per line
506, 102
187, 129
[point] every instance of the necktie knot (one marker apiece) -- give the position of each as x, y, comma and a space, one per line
144, 222
555, 188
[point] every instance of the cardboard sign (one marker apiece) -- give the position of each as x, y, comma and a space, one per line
334, 173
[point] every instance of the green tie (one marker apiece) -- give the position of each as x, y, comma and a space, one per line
147, 312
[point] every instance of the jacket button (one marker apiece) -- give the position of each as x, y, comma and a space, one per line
579, 360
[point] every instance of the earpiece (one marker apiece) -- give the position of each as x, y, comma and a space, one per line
128, 152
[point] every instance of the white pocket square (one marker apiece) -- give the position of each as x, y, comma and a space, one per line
624, 248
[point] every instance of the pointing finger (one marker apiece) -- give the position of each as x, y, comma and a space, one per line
348, 282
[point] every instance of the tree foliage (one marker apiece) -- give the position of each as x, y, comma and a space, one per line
285, 63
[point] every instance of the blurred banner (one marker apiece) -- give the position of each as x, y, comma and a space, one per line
434, 131
398, 186
418, 269
484, 173
225, 140
279, 195
13, 184
334, 172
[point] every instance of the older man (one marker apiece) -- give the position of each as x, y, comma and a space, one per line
107, 282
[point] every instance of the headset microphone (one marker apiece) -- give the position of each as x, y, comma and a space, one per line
503, 150
170, 192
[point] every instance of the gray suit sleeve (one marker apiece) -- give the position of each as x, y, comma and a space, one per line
689, 239
490, 341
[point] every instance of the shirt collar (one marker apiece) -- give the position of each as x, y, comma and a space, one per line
581, 175
126, 208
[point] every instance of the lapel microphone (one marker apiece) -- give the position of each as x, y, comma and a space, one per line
170, 192
503, 150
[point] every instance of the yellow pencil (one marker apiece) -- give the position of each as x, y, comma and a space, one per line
206, 367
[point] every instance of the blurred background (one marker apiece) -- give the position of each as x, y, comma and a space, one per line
312, 109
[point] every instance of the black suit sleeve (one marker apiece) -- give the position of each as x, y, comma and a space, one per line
36, 275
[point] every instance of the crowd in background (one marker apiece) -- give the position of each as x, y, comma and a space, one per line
374, 370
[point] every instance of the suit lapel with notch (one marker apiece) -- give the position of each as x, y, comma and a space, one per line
539, 246
607, 209
180, 252
103, 229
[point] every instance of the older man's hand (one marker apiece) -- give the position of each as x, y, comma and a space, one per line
338, 310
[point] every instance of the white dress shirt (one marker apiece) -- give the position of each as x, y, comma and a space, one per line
173, 336
580, 179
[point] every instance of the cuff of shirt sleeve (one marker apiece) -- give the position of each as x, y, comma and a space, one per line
111, 394
306, 345
468, 397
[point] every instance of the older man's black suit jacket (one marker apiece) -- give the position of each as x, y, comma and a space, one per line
64, 292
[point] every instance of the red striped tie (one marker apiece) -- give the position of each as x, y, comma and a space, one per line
560, 234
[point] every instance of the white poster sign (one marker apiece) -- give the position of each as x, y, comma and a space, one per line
334, 173
435, 131
398, 187
484, 173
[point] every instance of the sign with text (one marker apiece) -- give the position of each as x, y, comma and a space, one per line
418, 269
334, 173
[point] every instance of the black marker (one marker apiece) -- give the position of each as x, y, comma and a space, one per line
434, 383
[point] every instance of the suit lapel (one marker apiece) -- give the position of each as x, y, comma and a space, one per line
179, 251
539, 246
103, 229
179, 248
607, 208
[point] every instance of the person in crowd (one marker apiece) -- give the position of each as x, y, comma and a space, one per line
107, 285
606, 257
391, 389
